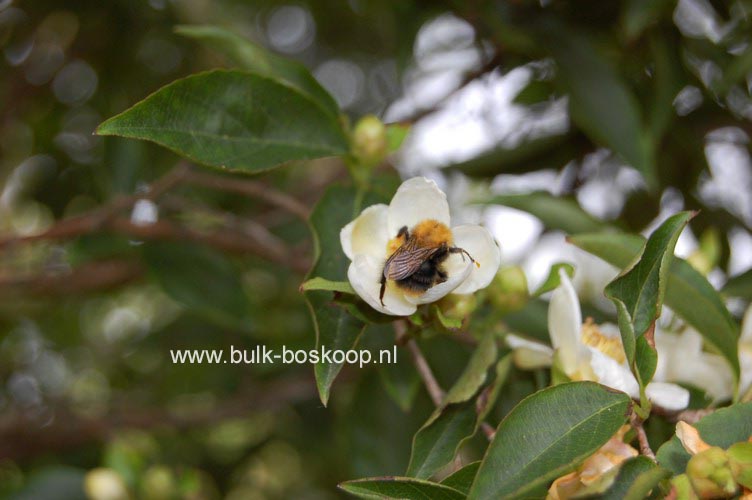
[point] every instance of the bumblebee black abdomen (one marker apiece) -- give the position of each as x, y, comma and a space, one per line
428, 274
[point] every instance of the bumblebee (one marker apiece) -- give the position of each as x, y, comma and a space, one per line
415, 258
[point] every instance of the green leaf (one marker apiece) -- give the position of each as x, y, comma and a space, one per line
201, 279
253, 57
436, 443
325, 284
475, 373
335, 327
722, 428
639, 14
739, 286
628, 472
462, 479
600, 103
645, 485
547, 435
688, 293
555, 212
638, 291
234, 120
553, 280
534, 92
401, 381
551, 151
400, 488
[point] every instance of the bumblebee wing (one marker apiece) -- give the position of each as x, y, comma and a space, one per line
406, 261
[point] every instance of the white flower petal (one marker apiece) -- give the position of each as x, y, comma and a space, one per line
479, 243
416, 200
668, 396
529, 354
366, 234
613, 374
746, 334
745, 362
457, 271
364, 274
565, 323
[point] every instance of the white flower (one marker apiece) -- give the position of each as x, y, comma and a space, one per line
681, 359
372, 238
586, 351
745, 353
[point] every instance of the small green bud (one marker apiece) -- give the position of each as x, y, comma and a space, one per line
369, 141
683, 488
740, 458
456, 306
710, 474
508, 291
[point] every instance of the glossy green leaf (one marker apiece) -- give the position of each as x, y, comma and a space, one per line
628, 472
400, 488
436, 443
688, 293
638, 291
335, 327
647, 484
547, 435
462, 479
234, 120
739, 286
722, 428
553, 279
555, 212
474, 375
203, 280
253, 57
600, 103
328, 285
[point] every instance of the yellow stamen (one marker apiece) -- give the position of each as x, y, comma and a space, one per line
610, 346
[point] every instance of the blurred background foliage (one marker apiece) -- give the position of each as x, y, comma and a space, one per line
634, 109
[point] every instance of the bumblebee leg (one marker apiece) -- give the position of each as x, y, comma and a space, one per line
462, 252
383, 288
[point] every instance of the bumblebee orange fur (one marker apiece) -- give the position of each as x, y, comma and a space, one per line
432, 233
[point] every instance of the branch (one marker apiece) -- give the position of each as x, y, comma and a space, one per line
92, 276
249, 188
642, 438
24, 436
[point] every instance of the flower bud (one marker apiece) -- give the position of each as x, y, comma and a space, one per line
508, 291
740, 458
455, 306
710, 474
369, 141
105, 484
682, 488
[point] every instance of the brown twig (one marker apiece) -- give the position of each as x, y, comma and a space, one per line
432, 386
249, 188
23, 436
91, 276
642, 437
